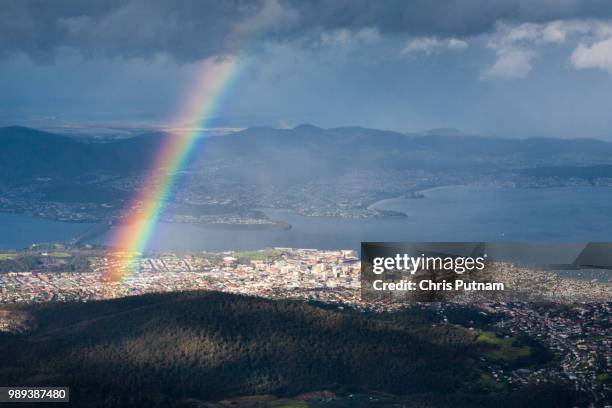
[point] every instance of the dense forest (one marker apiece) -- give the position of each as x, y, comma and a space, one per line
165, 349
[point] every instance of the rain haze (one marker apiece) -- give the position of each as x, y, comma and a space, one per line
508, 68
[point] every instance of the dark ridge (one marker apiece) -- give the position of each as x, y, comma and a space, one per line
155, 350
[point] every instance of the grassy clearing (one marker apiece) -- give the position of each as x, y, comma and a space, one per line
7, 255
258, 255
263, 401
60, 254
287, 403
504, 349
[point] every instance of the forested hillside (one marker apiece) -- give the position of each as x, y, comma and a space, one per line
163, 349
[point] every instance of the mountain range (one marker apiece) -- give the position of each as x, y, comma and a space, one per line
304, 152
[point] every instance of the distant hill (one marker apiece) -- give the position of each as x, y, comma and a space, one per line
27, 153
281, 155
311, 152
157, 350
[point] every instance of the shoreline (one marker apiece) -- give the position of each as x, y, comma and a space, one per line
270, 226
419, 190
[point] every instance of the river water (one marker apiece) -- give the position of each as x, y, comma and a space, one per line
457, 213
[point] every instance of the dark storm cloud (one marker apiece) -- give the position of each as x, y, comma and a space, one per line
194, 29
444, 18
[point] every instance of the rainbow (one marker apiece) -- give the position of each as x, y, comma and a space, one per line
213, 82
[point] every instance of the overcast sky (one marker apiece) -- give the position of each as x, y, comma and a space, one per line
509, 68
